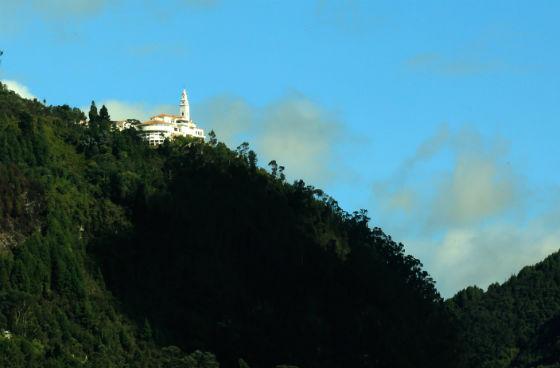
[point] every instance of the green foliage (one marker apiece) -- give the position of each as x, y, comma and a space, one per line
212, 140
93, 114
59, 185
516, 324
251, 266
242, 364
104, 114
115, 254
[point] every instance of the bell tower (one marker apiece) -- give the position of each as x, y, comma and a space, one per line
184, 108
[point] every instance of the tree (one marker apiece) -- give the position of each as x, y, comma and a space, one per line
273, 168
93, 115
281, 172
244, 262
242, 363
242, 150
252, 157
212, 138
147, 333
104, 114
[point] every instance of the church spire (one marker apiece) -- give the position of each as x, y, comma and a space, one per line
184, 108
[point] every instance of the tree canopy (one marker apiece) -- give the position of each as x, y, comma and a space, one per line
516, 324
116, 254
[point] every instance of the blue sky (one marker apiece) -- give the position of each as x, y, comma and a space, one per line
439, 117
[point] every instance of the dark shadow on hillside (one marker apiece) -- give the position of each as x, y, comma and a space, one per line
229, 260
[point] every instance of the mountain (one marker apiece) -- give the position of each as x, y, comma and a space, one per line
513, 325
116, 254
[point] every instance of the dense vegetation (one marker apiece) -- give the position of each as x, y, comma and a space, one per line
514, 325
250, 265
115, 254
54, 308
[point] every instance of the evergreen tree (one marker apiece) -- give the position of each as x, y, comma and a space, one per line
93, 114
147, 333
513, 325
104, 114
212, 140
192, 237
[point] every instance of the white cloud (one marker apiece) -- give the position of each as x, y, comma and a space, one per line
120, 110
231, 118
460, 203
428, 149
15, 15
19, 88
451, 66
200, 3
9, 13
301, 135
479, 185
484, 255
68, 8
296, 132
349, 16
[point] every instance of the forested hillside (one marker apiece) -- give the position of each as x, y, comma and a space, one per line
516, 324
115, 254
54, 307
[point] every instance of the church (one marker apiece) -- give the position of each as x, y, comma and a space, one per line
168, 126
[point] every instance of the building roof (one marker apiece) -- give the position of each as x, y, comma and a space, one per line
165, 115
154, 122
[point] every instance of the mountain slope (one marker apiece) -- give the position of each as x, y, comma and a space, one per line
54, 308
251, 265
515, 324
112, 250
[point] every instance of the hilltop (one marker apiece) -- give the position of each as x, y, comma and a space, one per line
516, 324
117, 254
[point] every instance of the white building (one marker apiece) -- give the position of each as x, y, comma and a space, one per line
125, 124
166, 126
